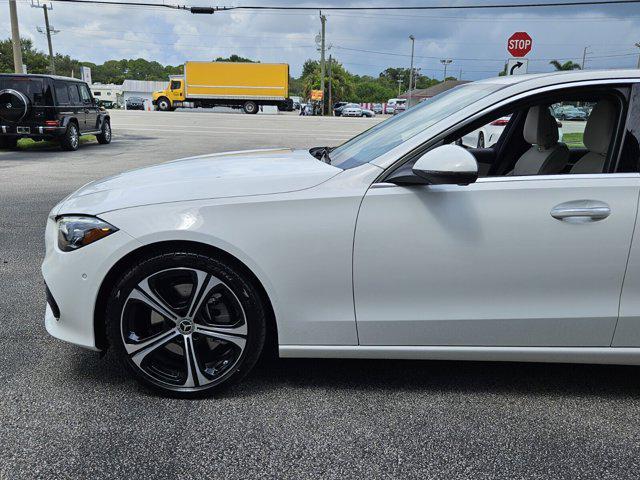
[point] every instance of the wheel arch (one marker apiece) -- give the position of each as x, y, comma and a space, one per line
133, 257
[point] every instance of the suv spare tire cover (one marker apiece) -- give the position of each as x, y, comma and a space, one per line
14, 105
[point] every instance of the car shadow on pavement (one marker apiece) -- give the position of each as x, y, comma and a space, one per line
605, 381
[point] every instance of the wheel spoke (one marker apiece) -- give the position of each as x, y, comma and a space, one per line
144, 293
194, 374
139, 351
226, 334
204, 284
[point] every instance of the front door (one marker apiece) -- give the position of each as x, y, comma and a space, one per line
89, 107
489, 265
176, 91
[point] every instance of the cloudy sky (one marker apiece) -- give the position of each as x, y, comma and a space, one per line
365, 42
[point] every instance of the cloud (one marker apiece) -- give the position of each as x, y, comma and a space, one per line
475, 39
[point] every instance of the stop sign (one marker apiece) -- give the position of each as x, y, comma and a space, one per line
519, 44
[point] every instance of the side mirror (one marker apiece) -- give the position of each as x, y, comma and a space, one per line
447, 164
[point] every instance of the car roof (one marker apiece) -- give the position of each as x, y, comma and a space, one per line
41, 75
563, 76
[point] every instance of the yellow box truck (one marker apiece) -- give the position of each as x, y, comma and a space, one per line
231, 84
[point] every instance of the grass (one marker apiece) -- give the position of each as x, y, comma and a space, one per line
29, 144
573, 139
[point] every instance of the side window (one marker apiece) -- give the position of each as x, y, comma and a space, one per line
571, 132
84, 93
62, 93
74, 97
97, 94
175, 85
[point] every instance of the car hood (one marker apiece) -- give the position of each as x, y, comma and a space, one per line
231, 174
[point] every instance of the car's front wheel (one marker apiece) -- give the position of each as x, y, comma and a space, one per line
104, 136
186, 323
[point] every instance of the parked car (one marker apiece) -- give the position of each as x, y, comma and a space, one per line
134, 103
108, 104
337, 108
400, 107
387, 246
351, 110
391, 104
377, 108
48, 107
488, 135
367, 113
568, 112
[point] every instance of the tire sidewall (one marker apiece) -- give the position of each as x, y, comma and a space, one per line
243, 289
106, 128
251, 108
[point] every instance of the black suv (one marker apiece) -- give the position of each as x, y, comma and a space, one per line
48, 107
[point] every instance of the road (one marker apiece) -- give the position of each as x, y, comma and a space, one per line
67, 413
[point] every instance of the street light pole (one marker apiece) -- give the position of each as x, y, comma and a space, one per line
15, 37
638, 45
584, 56
399, 85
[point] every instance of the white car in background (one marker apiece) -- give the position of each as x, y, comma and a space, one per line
393, 245
391, 104
488, 135
352, 110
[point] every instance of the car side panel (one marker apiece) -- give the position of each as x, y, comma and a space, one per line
299, 245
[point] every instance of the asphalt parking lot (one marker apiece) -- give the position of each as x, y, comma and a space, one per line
68, 413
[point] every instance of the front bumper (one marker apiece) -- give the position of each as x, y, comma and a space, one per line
74, 280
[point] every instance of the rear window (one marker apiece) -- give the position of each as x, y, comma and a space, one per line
37, 90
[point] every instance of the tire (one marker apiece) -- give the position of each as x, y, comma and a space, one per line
10, 143
228, 351
480, 140
104, 136
250, 107
164, 105
71, 139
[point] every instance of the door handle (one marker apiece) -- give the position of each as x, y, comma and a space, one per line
581, 211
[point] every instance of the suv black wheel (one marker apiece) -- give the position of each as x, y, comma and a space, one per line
104, 136
186, 323
71, 139
250, 107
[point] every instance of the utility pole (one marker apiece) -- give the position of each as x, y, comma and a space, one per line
638, 45
399, 85
460, 75
330, 99
323, 21
413, 42
445, 62
48, 31
15, 37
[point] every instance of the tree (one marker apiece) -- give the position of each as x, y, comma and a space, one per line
372, 91
342, 83
235, 58
565, 66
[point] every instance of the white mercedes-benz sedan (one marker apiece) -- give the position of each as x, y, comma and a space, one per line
397, 244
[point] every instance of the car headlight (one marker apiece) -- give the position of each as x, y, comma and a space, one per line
75, 232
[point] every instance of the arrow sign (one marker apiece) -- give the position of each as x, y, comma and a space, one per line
517, 66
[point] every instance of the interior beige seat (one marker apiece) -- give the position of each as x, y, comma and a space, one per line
546, 156
597, 137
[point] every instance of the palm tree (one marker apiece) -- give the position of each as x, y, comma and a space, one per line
565, 66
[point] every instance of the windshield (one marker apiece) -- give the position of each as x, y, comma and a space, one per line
381, 138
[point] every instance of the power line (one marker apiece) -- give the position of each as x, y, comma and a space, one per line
211, 10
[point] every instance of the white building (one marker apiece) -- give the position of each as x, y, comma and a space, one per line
107, 91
